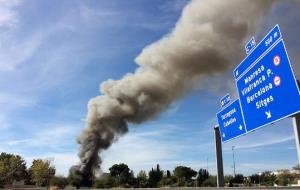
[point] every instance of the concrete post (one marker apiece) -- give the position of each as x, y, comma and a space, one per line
219, 158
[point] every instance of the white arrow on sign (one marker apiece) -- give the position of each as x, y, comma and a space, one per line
241, 127
236, 73
268, 113
223, 135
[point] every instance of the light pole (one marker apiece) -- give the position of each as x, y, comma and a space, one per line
207, 164
233, 161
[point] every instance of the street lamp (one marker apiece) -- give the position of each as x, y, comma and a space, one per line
233, 160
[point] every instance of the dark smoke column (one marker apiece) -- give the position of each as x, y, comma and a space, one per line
204, 42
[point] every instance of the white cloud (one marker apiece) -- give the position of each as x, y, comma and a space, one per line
8, 16
278, 133
137, 152
173, 108
161, 145
57, 140
141, 150
4, 124
49, 141
15, 52
9, 103
90, 13
270, 166
53, 137
13, 100
61, 161
266, 142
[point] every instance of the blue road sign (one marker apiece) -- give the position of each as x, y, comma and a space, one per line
250, 45
231, 121
271, 38
268, 90
225, 100
266, 85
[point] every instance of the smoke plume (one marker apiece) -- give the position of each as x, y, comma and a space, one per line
207, 39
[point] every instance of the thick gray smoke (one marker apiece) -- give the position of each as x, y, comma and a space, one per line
207, 40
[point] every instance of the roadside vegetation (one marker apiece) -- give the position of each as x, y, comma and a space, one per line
14, 172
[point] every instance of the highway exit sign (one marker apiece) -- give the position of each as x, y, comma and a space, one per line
266, 86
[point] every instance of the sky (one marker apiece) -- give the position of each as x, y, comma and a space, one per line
54, 55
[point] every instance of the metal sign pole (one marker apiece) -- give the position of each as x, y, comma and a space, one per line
296, 124
219, 159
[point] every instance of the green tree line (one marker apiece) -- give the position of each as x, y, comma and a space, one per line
13, 168
121, 176
41, 173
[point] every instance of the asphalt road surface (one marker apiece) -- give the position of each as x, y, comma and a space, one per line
173, 188
206, 188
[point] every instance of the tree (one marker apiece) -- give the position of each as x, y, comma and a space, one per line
12, 168
210, 182
267, 178
282, 179
297, 167
238, 178
255, 179
75, 179
285, 178
27, 178
168, 173
122, 174
168, 181
106, 181
131, 180
202, 176
59, 181
142, 179
41, 172
155, 176
184, 174
100, 184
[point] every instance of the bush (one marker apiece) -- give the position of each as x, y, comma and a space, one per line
59, 181
106, 182
210, 182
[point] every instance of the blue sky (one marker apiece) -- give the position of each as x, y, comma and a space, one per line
54, 55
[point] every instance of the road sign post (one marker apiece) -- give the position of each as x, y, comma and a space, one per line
296, 125
219, 158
